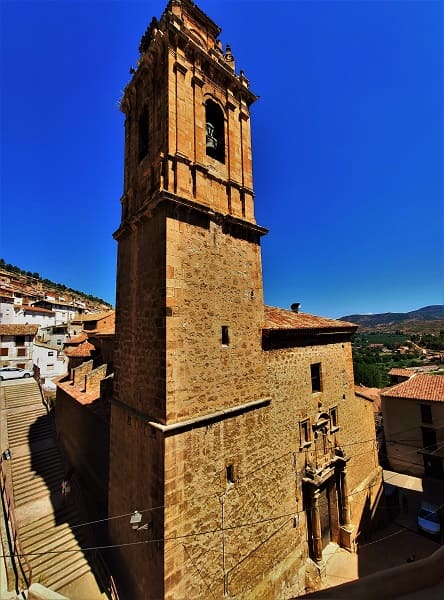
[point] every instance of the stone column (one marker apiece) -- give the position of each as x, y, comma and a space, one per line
316, 526
346, 519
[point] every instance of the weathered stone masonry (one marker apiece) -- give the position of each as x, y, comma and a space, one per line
212, 389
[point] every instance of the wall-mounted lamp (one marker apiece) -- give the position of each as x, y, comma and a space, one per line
136, 519
6, 454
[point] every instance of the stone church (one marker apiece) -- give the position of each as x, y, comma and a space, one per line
238, 449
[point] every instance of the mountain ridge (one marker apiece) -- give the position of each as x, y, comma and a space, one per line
433, 314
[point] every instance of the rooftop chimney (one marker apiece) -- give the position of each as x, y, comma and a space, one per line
295, 307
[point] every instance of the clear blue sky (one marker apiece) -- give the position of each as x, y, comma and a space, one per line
347, 142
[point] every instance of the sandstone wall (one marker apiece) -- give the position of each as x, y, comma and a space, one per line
85, 440
213, 280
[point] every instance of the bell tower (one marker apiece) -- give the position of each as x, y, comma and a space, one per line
189, 309
187, 119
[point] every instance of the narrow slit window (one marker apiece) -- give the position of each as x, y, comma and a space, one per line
304, 433
230, 474
225, 336
334, 426
316, 377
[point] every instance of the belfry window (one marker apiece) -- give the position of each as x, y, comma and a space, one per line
143, 133
215, 136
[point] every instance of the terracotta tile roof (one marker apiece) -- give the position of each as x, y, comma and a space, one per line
28, 308
81, 397
18, 329
76, 339
279, 318
83, 350
109, 330
95, 316
401, 372
371, 394
418, 387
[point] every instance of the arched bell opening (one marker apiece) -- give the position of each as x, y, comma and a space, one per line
215, 132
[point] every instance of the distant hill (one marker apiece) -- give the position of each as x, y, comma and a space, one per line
34, 287
427, 318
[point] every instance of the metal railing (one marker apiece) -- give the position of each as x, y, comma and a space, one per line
18, 557
98, 564
105, 578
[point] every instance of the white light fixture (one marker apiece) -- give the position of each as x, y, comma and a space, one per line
135, 519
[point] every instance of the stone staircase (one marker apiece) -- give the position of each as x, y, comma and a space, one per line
48, 524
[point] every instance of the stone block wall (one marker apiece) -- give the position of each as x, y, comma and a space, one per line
139, 379
214, 280
289, 375
80, 372
136, 483
93, 379
232, 533
85, 440
249, 538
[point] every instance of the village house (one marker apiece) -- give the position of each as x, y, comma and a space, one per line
25, 314
50, 361
413, 414
398, 375
237, 443
16, 345
95, 321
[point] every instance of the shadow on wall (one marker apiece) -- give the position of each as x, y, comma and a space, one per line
47, 461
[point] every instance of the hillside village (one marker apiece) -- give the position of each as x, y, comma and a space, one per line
37, 318
196, 442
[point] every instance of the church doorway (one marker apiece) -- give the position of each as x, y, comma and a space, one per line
324, 513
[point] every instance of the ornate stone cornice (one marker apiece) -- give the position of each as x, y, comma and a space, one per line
184, 209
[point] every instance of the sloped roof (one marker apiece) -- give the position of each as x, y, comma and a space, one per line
18, 329
419, 387
76, 339
281, 319
37, 309
103, 331
369, 393
401, 372
83, 350
95, 316
84, 398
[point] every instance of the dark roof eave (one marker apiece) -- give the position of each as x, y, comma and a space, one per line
269, 331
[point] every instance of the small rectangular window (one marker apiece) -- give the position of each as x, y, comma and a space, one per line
304, 433
315, 377
50, 367
4, 351
230, 474
21, 351
426, 413
334, 426
50, 353
225, 336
